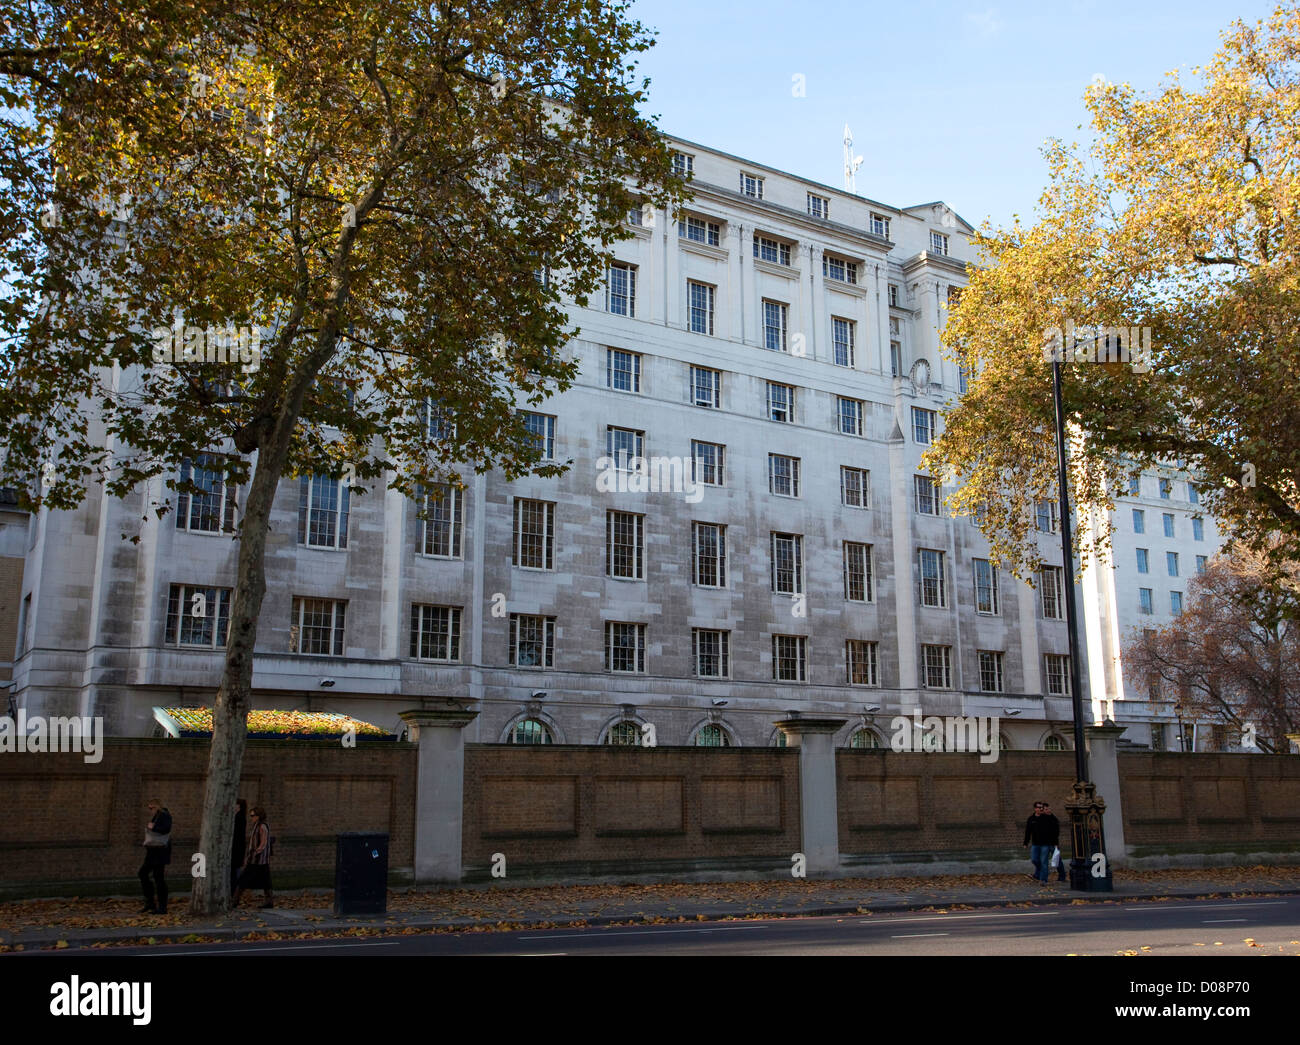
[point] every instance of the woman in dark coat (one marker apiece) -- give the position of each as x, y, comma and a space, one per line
157, 855
238, 841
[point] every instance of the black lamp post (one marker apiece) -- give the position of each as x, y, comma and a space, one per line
1182, 732
1085, 807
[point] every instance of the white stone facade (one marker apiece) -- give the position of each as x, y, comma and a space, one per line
97, 638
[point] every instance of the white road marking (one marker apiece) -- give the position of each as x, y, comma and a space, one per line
302, 947
1220, 921
913, 936
640, 932
951, 917
1206, 906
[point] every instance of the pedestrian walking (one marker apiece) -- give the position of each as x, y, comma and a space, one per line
1042, 833
256, 872
238, 842
157, 855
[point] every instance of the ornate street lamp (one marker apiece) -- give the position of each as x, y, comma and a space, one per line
1086, 807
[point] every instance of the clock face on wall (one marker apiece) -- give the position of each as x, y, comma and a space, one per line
921, 376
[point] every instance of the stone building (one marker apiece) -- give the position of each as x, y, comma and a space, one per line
772, 354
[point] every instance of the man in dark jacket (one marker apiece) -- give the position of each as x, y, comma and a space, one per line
1042, 834
157, 855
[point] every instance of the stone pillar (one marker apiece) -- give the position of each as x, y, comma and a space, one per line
673, 289
735, 323
818, 806
1103, 764
439, 791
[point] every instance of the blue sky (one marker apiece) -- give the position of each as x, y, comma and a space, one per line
946, 101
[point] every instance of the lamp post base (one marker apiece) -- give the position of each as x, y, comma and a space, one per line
1090, 868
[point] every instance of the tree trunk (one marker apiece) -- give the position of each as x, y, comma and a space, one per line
211, 892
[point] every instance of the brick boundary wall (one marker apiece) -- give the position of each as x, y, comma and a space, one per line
559, 809
1181, 802
72, 825
916, 808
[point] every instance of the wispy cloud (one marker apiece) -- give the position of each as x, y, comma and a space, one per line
984, 24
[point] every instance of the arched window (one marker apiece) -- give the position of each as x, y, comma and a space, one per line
864, 738
624, 734
712, 736
530, 731
1053, 743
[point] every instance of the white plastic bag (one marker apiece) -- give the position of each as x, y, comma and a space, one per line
1056, 857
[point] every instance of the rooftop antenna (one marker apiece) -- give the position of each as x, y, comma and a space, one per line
851, 162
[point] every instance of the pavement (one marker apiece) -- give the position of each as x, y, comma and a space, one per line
103, 922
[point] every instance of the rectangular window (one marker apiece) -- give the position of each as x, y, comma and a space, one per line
624, 647
963, 378
843, 335
1058, 675
435, 632
683, 164
702, 297
706, 387
1134, 485
532, 641
623, 370
923, 424
780, 403
624, 447
542, 427
534, 534
766, 249
1048, 516
439, 424
710, 550
893, 301
990, 671
1171, 563
850, 413
317, 627
634, 217
934, 590
986, 587
895, 359
857, 572
1139, 521
863, 662
789, 658
880, 227
751, 185
620, 289
211, 509
840, 270
927, 495
697, 230
819, 206
1145, 605
1050, 580
1193, 493
936, 664
1166, 488
712, 653
1201, 562
855, 487
783, 475
708, 461
939, 243
775, 318
1169, 524
440, 522
323, 512
198, 617
1198, 529
624, 545
787, 563
1144, 562
1175, 602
